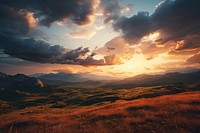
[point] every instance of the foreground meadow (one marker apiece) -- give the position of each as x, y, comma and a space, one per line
168, 113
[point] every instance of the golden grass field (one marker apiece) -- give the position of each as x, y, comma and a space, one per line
175, 113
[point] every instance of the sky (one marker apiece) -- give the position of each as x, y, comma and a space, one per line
116, 38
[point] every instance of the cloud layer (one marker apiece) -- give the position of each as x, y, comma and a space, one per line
43, 52
18, 22
49, 11
176, 21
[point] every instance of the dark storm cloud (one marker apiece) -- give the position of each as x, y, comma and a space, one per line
49, 11
17, 35
134, 28
29, 49
174, 19
189, 42
177, 18
42, 52
12, 22
16, 23
112, 9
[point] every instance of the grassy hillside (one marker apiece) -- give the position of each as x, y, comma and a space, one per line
89, 108
170, 113
84, 95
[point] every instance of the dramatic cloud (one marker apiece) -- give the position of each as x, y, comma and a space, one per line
189, 42
112, 9
18, 22
174, 19
113, 59
150, 50
117, 47
48, 11
83, 34
13, 22
177, 19
43, 52
194, 59
173, 29
134, 28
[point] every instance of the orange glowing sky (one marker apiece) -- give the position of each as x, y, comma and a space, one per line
115, 39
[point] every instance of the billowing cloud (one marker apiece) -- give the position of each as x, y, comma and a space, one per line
43, 52
189, 42
112, 10
113, 59
13, 22
176, 21
31, 19
18, 22
115, 46
133, 28
194, 59
118, 49
48, 12
83, 34
151, 50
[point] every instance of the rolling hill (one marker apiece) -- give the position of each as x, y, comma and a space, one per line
58, 78
155, 80
14, 87
19, 81
177, 113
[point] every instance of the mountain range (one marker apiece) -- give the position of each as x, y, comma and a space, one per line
57, 78
14, 88
61, 77
19, 81
40, 80
155, 80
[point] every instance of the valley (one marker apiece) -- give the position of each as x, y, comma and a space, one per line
51, 107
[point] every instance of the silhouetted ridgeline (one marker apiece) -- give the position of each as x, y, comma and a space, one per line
155, 80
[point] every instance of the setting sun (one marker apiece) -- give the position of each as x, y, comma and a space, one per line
99, 66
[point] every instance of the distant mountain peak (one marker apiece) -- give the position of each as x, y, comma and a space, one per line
67, 74
155, 80
173, 73
20, 75
19, 81
52, 78
60, 73
3, 74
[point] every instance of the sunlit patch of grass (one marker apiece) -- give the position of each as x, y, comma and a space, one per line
170, 113
82, 109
